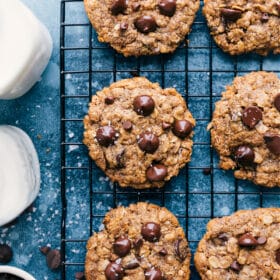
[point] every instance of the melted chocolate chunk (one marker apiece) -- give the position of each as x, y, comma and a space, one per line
114, 271
163, 252
122, 246
244, 156
127, 125
182, 128
144, 105
136, 7
278, 256
167, 7
120, 159
118, 7
153, 274
277, 102
265, 17
231, 14
247, 240
145, 24
223, 236
166, 125
272, 142
44, 250
109, 100
106, 136
156, 173
251, 116
236, 266
6, 253
151, 232
132, 264
180, 249
80, 275
124, 26
148, 142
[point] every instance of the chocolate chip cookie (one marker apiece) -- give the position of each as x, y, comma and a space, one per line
244, 246
147, 27
142, 241
138, 133
245, 128
244, 26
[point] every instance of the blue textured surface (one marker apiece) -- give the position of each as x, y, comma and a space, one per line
38, 114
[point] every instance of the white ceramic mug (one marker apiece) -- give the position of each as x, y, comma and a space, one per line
16, 272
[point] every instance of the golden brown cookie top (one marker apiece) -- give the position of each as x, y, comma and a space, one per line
245, 128
244, 26
138, 133
244, 246
142, 241
137, 28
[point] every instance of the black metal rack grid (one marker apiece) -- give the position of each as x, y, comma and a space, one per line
209, 196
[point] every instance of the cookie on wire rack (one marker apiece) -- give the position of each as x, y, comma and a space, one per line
142, 241
245, 128
243, 246
244, 26
138, 133
147, 27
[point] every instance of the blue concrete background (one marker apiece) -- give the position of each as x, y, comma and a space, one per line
38, 113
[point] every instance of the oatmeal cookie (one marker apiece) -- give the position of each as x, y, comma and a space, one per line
245, 128
244, 246
147, 27
142, 241
241, 26
138, 133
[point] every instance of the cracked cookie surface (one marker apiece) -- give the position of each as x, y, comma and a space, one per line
139, 242
147, 27
138, 133
245, 128
241, 26
244, 246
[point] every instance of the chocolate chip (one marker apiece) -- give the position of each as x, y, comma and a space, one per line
223, 236
277, 102
278, 7
247, 240
206, 171
136, 7
278, 256
153, 274
138, 244
244, 156
265, 17
182, 128
167, 7
143, 105
151, 231
272, 142
6, 253
156, 173
145, 24
231, 14
261, 240
127, 125
181, 249
165, 125
118, 6
122, 246
120, 159
251, 116
80, 275
109, 100
114, 271
163, 252
236, 266
132, 264
148, 142
44, 250
54, 259
106, 135
124, 26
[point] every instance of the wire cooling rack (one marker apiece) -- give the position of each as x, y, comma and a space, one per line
199, 71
